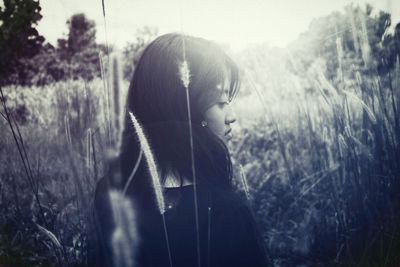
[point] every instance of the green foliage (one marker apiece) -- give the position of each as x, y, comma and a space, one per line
320, 152
364, 39
27, 60
64, 112
143, 36
79, 52
19, 40
328, 146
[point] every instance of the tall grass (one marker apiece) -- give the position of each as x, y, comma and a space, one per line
342, 149
184, 74
321, 165
65, 158
154, 173
329, 197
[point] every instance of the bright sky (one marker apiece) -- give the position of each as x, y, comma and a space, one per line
233, 22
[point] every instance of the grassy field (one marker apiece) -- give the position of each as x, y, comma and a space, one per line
322, 166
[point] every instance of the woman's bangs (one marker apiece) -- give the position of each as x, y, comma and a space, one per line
234, 80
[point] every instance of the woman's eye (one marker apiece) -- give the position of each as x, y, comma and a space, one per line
222, 104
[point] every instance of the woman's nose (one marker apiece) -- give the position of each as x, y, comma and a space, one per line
230, 116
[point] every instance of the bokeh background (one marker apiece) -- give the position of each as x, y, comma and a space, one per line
317, 138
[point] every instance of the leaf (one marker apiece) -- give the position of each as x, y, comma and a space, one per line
50, 235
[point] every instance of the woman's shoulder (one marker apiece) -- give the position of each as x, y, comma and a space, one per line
231, 205
235, 223
228, 197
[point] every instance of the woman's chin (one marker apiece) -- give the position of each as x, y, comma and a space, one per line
228, 137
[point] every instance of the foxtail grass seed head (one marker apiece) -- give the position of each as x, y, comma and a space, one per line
124, 237
184, 73
244, 181
339, 50
354, 30
365, 46
151, 164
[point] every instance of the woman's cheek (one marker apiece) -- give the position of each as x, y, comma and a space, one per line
215, 117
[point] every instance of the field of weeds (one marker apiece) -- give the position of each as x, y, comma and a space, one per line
320, 153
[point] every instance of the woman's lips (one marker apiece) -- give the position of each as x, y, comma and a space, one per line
228, 133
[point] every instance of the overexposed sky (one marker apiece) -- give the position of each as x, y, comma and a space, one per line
236, 23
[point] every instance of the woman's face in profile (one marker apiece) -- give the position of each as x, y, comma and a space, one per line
220, 116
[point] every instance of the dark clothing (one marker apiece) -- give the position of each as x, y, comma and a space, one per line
228, 233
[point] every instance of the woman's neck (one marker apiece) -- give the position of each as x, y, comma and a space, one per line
173, 180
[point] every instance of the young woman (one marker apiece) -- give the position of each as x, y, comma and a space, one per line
228, 235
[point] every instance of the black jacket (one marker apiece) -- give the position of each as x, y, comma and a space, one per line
228, 232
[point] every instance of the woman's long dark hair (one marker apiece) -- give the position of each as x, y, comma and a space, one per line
157, 98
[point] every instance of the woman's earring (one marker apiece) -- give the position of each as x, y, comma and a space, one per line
203, 123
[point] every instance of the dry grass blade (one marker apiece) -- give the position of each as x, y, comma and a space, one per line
88, 147
104, 10
67, 129
244, 181
105, 25
185, 78
342, 144
133, 172
51, 236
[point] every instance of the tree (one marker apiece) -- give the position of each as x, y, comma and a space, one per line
79, 52
390, 51
143, 36
44, 68
19, 40
352, 41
